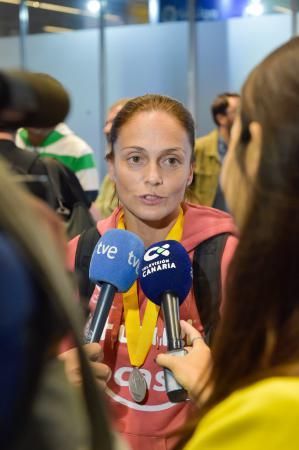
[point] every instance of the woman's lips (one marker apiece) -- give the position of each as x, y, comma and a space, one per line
150, 199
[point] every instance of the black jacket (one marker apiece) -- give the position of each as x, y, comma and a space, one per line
48, 172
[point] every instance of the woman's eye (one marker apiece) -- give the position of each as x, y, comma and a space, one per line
135, 159
172, 161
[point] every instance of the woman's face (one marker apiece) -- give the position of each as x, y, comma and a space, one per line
152, 166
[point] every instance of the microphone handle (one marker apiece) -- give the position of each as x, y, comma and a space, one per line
101, 313
170, 307
175, 391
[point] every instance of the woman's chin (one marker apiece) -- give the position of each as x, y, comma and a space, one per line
158, 219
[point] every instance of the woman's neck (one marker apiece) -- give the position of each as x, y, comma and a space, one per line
150, 232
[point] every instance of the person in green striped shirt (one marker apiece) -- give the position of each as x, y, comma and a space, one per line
63, 144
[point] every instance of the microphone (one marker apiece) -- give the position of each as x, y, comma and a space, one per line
31, 100
114, 266
166, 278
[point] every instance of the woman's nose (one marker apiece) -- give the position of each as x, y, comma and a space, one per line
153, 174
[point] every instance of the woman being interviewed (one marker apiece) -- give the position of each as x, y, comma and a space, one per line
152, 142
251, 400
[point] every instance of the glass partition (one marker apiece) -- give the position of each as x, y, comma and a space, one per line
105, 50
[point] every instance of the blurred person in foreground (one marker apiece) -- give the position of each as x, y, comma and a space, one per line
248, 386
108, 200
39, 408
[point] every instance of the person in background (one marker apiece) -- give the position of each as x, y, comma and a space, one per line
22, 161
25, 162
107, 200
62, 144
210, 151
151, 164
250, 400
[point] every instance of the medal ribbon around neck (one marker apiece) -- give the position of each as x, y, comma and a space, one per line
140, 336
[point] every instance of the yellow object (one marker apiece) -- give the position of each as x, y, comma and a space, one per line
107, 199
207, 167
140, 336
263, 416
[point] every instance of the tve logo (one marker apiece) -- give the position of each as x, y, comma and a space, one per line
155, 252
105, 249
111, 251
134, 261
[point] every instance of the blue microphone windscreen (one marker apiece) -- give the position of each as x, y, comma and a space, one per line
116, 259
165, 267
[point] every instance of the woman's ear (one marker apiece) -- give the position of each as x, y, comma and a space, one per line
254, 149
190, 177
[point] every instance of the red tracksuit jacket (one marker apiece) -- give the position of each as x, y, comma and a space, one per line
147, 426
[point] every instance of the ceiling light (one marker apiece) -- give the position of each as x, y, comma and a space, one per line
50, 7
11, 2
282, 9
52, 29
254, 8
153, 11
93, 6
23, 15
54, 7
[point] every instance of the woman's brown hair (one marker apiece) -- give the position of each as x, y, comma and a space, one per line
54, 313
153, 102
